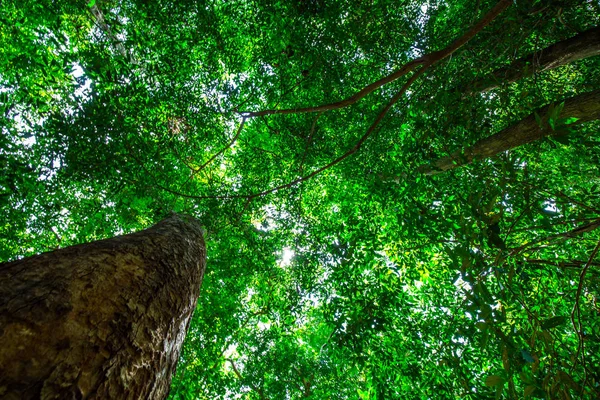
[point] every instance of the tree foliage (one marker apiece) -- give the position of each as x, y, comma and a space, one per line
299, 132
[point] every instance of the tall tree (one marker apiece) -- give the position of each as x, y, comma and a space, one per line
100, 320
298, 133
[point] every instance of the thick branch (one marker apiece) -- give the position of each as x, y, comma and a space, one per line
585, 107
426, 61
583, 45
561, 264
569, 235
341, 158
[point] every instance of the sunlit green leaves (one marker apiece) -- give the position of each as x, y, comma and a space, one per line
396, 285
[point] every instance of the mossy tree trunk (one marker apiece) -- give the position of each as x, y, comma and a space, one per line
100, 320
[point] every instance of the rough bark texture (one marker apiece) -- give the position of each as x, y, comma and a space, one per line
103, 320
585, 107
583, 45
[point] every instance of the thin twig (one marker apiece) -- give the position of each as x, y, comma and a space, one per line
104, 27
291, 89
576, 313
563, 195
577, 202
231, 338
233, 139
239, 375
308, 141
554, 223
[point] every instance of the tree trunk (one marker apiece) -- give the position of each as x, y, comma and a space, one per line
585, 107
580, 46
100, 320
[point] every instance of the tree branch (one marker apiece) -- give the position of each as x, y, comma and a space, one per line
569, 234
355, 148
233, 139
576, 313
104, 27
425, 61
560, 264
239, 375
341, 158
585, 107
406, 68
583, 45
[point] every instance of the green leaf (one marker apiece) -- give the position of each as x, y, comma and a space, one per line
568, 380
568, 120
499, 390
481, 325
494, 380
91, 3
527, 356
551, 111
558, 110
529, 390
553, 322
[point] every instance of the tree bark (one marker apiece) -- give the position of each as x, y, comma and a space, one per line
580, 46
100, 320
585, 107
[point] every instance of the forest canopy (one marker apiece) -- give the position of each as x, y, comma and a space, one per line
401, 198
